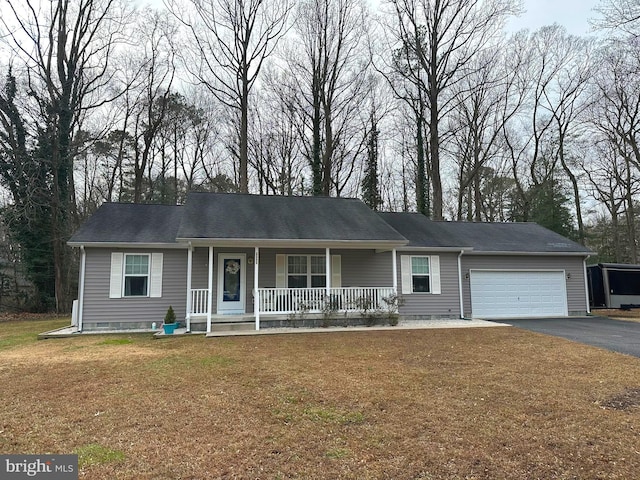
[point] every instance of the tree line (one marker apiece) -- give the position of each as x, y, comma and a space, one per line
422, 105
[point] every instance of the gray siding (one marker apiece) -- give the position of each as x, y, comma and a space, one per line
576, 294
360, 268
200, 275
199, 268
100, 311
426, 305
365, 268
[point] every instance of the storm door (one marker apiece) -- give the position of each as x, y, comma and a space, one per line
231, 283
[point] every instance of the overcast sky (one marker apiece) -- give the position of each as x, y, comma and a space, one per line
572, 14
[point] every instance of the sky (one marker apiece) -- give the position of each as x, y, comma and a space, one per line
572, 14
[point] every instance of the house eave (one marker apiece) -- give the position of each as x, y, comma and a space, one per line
293, 243
146, 245
531, 254
408, 248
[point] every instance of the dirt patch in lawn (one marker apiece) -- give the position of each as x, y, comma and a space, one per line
496, 403
626, 400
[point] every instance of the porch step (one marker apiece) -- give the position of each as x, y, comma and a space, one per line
232, 326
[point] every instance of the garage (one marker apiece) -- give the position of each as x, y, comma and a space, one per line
501, 293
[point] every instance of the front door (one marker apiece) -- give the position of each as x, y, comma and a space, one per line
231, 283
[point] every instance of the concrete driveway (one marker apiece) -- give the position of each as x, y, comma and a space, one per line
615, 335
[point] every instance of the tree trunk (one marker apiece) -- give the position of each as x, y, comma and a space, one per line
421, 177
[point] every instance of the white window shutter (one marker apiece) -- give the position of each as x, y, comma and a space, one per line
281, 274
115, 281
434, 261
155, 289
336, 271
405, 267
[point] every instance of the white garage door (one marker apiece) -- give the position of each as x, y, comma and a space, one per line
499, 294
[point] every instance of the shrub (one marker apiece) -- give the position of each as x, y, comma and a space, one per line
170, 316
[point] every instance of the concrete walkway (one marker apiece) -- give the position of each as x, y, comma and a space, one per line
70, 331
411, 325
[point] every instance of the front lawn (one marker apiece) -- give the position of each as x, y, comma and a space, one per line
495, 403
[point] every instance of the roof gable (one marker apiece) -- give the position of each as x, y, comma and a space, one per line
244, 216
130, 223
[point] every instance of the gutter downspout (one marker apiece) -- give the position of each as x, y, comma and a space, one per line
586, 284
210, 290
189, 273
460, 283
256, 285
83, 264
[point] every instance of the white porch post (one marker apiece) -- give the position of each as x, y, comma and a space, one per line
394, 263
256, 296
327, 259
210, 291
189, 270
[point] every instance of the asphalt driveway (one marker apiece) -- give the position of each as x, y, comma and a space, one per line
616, 335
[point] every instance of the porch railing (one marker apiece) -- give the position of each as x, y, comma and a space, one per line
316, 300
310, 300
199, 301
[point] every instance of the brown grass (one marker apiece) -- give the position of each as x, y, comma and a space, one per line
632, 315
497, 403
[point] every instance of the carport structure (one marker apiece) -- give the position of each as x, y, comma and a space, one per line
612, 285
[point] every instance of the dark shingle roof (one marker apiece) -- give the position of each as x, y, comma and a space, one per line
130, 223
482, 237
420, 231
243, 216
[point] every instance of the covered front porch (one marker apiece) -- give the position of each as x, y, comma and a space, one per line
275, 286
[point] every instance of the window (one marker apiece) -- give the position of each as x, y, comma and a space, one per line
136, 275
420, 275
305, 271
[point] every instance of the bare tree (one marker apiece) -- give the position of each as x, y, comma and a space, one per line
327, 58
232, 39
277, 144
560, 68
623, 15
612, 184
487, 100
64, 48
150, 94
444, 36
616, 115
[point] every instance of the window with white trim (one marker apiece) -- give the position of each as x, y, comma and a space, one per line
136, 275
420, 275
305, 271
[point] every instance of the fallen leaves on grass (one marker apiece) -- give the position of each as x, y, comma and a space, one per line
480, 404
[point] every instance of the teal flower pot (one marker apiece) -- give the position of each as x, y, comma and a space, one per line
169, 328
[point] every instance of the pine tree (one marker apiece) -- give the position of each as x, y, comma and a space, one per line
370, 186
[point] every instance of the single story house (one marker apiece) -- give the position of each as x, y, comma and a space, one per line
614, 285
277, 260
